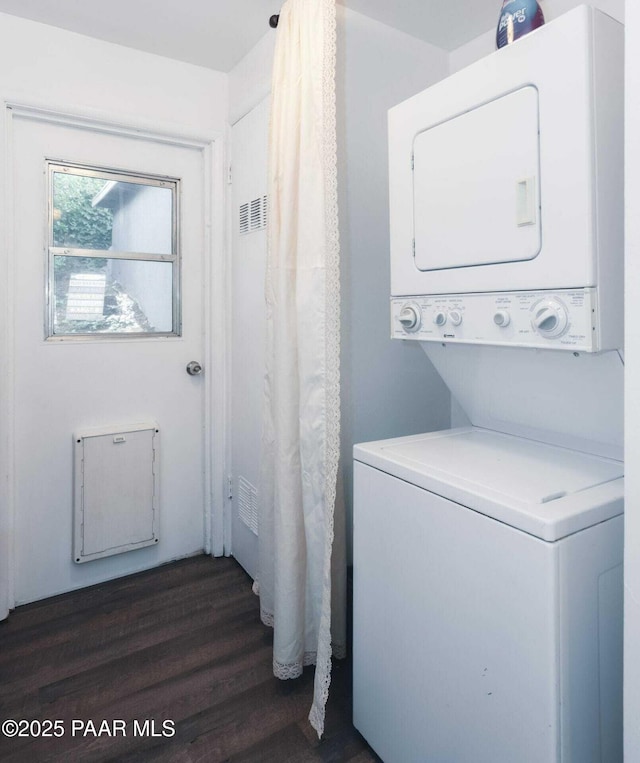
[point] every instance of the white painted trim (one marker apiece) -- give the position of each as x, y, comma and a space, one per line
226, 475
217, 349
102, 121
7, 516
138, 426
207, 359
214, 334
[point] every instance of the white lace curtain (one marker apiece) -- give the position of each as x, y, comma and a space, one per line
301, 412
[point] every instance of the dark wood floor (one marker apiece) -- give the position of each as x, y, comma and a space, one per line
181, 643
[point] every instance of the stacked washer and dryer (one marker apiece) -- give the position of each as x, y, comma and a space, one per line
488, 558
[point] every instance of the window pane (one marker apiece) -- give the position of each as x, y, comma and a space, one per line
94, 213
106, 295
76, 223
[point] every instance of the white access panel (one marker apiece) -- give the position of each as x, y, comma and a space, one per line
116, 490
476, 185
475, 642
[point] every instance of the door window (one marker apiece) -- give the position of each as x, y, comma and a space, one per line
113, 254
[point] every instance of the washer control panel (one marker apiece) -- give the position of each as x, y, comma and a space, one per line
564, 319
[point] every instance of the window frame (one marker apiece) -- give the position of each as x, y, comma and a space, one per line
161, 181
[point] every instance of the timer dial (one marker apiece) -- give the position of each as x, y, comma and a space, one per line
410, 317
550, 318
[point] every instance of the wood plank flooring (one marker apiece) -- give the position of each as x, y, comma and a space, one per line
182, 644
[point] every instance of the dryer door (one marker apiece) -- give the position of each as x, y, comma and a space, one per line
476, 186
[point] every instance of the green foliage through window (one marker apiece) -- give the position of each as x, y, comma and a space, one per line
76, 223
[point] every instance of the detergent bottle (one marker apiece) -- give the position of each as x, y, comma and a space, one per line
517, 18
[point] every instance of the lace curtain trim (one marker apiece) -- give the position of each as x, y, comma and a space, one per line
294, 670
332, 350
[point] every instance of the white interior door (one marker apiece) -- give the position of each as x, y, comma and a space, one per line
248, 325
67, 384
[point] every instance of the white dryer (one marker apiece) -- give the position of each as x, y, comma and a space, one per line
488, 560
504, 191
487, 600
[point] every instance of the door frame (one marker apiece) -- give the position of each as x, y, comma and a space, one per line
212, 147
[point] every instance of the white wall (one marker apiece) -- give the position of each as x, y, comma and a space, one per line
43, 62
632, 393
250, 80
45, 65
485, 43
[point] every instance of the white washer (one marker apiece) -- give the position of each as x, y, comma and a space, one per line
487, 600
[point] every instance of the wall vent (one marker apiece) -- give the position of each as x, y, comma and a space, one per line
244, 219
256, 214
248, 504
253, 215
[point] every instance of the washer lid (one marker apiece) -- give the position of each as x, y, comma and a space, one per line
541, 489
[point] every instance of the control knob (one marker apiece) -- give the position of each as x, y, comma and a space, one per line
455, 316
550, 318
410, 317
502, 318
440, 318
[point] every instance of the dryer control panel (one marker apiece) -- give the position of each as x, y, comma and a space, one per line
563, 320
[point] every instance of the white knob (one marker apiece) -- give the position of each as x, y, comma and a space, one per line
455, 316
546, 320
410, 318
440, 318
550, 318
502, 318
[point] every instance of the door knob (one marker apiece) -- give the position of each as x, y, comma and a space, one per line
194, 368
